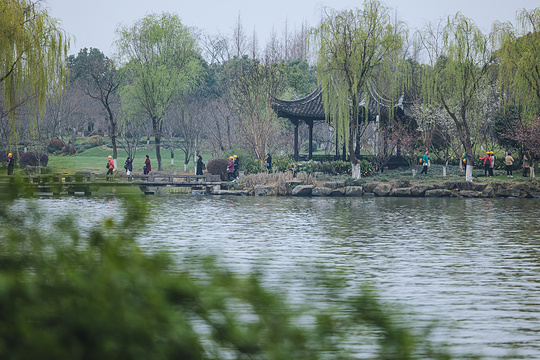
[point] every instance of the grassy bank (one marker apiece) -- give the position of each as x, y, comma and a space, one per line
95, 159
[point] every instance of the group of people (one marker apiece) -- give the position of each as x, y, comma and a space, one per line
489, 163
128, 166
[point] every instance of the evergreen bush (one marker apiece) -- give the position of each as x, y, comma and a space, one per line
34, 158
366, 168
341, 167
282, 163
95, 140
218, 167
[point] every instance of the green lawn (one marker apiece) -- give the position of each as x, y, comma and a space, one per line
95, 160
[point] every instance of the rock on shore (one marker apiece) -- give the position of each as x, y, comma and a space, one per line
400, 188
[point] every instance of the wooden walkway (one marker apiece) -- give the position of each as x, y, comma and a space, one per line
88, 183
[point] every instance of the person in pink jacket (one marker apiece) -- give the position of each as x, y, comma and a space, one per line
491, 163
230, 169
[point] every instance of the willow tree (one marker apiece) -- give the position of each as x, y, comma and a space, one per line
519, 58
458, 70
162, 62
519, 70
33, 49
353, 45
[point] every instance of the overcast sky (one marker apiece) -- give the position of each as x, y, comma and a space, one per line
92, 23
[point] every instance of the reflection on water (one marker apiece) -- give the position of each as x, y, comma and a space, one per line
473, 264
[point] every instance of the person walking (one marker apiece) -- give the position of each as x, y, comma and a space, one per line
128, 166
230, 169
509, 162
10, 164
526, 164
236, 166
491, 163
268, 162
486, 163
147, 166
200, 166
425, 163
110, 167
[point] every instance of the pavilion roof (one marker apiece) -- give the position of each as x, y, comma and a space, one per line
310, 107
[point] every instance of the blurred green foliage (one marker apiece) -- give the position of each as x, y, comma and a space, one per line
67, 294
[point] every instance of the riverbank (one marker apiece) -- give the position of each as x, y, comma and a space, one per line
307, 185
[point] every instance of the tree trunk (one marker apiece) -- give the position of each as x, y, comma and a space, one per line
468, 172
444, 169
115, 149
156, 126
355, 164
356, 171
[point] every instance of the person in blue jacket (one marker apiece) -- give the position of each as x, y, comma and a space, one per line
425, 162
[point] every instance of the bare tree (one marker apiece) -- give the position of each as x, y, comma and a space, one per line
216, 49
240, 41
251, 93
131, 130
97, 77
186, 121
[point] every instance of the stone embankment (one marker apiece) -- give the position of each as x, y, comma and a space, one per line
398, 188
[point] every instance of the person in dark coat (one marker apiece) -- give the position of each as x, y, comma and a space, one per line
200, 165
236, 166
147, 166
268, 162
128, 166
10, 164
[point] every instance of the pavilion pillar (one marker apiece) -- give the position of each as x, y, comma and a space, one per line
310, 140
295, 121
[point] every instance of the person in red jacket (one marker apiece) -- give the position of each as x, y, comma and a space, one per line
487, 162
110, 166
147, 167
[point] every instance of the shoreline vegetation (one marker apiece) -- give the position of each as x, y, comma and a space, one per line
391, 183
283, 184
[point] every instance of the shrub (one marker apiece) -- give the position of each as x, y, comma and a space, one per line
56, 144
71, 150
252, 167
34, 158
282, 163
366, 168
95, 140
218, 167
341, 167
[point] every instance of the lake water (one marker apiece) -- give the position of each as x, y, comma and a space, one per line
471, 264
